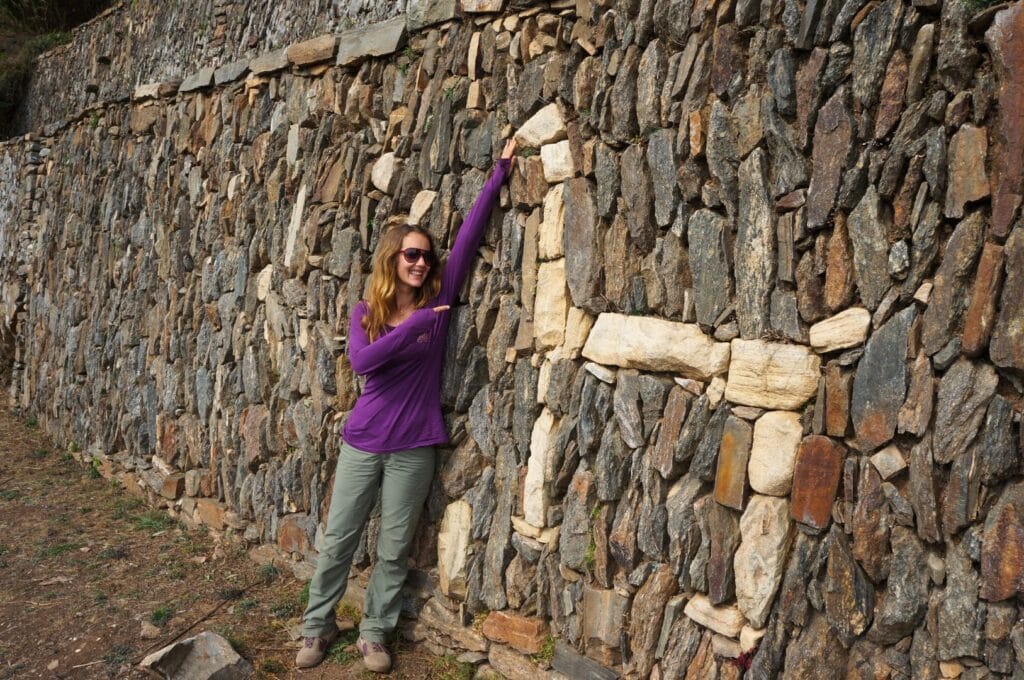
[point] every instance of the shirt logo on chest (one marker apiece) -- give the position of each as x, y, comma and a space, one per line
425, 337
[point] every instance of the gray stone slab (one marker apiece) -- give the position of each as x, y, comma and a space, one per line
375, 40
197, 81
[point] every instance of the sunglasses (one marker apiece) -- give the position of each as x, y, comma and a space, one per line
412, 255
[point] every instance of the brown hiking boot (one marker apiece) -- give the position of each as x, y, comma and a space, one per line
315, 648
375, 656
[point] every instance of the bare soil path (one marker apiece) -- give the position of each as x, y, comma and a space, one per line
85, 568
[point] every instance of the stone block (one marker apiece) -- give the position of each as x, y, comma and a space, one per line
173, 486
197, 81
771, 375
453, 544
526, 634
551, 305
375, 40
651, 344
558, 161
842, 331
211, 512
819, 465
293, 533
314, 51
603, 614
727, 620
760, 560
544, 127
776, 440
731, 475
269, 62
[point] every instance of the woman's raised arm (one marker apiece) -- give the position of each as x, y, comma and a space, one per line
472, 228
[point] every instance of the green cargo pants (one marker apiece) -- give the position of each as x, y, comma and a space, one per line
403, 478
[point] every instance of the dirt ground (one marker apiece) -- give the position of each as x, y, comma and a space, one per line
84, 565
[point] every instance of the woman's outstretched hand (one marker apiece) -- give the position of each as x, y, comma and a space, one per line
510, 148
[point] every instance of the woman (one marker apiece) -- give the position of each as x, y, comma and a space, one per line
396, 339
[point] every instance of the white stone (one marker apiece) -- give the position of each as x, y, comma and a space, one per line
544, 127
552, 227
725, 648
420, 205
602, 373
385, 172
263, 282
772, 375
889, 461
716, 390
846, 329
147, 91
535, 498
694, 387
205, 655
551, 305
777, 436
924, 293
557, 161
653, 344
577, 327
726, 620
453, 547
766, 534
291, 152
750, 637
292, 240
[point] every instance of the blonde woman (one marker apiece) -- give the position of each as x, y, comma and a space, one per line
396, 340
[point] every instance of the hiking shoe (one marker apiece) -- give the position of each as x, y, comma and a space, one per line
375, 656
314, 649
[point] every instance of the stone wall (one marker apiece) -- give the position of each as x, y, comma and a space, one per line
138, 42
734, 388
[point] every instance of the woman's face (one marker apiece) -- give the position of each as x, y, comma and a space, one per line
414, 273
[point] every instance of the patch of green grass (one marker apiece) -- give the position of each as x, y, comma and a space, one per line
348, 611
269, 573
123, 506
528, 151
303, 596
448, 667
9, 494
118, 552
31, 422
546, 653
591, 555
161, 615
3, 549
245, 606
230, 593
56, 550
283, 609
38, 454
99, 597
94, 469
152, 520
341, 652
118, 654
273, 667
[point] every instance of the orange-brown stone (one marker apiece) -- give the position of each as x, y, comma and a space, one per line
1002, 554
1007, 49
173, 486
291, 533
211, 512
819, 464
527, 634
731, 476
981, 312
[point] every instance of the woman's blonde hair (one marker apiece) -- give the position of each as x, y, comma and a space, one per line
383, 288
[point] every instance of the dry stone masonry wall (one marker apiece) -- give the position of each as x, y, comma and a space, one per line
734, 389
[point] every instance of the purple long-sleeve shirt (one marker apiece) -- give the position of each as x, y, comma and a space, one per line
400, 407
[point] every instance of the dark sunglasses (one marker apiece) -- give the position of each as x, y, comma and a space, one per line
412, 255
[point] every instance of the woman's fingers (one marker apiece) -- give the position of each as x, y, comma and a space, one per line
442, 308
510, 148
